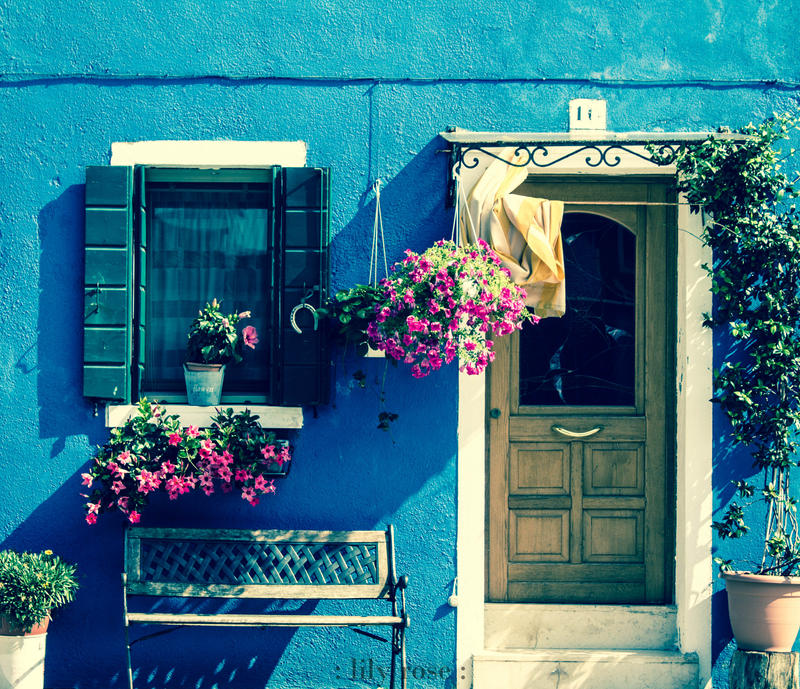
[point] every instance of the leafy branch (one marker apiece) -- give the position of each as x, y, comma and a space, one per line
753, 229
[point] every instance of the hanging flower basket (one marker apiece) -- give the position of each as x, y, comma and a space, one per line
151, 452
446, 303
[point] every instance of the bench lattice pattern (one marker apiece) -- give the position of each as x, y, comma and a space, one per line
237, 562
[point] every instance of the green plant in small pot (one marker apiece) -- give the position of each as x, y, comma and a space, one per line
352, 310
32, 585
753, 229
214, 342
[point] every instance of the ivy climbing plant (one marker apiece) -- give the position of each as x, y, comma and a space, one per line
753, 228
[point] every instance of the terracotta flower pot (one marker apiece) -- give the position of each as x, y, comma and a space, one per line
203, 383
7, 629
764, 610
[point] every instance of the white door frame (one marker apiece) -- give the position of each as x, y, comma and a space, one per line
693, 561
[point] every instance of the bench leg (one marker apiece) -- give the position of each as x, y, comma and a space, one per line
128, 655
398, 649
403, 657
392, 670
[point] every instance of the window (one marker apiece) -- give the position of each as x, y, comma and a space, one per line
160, 242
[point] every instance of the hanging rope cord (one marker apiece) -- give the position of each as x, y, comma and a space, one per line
461, 202
377, 229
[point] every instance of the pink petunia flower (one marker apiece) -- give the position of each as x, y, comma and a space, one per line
91, 518
250, 336
192, 431
118, 487
175, 439
87, 480
134, 517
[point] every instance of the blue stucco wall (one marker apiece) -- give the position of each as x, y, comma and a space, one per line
367, 87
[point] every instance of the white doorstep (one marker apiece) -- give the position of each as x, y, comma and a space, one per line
584, 669
612, 627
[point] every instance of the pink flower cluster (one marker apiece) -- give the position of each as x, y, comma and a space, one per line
180, 461
444, 304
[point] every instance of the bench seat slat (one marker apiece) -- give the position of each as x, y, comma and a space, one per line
295, 591
232, 620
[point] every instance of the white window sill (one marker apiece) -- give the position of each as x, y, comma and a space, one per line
269, 417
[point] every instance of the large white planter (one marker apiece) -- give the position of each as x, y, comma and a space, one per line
22, 661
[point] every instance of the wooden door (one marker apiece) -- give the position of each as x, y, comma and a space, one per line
581, 411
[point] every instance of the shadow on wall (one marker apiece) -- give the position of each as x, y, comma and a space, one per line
347, 474
63, 411
415, 215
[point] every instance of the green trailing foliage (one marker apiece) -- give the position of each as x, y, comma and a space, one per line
352, 310
33, 584
753, 228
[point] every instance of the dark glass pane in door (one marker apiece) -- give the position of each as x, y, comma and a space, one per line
587, 357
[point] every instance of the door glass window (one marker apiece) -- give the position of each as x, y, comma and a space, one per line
587, 357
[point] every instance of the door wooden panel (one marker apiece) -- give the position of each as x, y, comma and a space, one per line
580, 465
539, 469
538, 535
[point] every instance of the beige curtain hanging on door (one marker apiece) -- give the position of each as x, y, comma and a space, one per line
524, 231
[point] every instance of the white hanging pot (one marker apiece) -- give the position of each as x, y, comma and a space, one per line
374, 353
22, 658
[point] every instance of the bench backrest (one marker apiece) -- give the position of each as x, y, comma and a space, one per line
235, 563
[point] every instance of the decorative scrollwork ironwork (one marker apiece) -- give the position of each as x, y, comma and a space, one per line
468, 156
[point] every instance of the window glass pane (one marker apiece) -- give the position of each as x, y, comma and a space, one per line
587, 357
204, 242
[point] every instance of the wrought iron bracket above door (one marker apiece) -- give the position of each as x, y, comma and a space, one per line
547, 149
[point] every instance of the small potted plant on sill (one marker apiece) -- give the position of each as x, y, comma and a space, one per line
753, 229
32, 585
152, 452
213, 343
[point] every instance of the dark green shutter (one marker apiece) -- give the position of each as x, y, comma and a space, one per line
303, 367
140, 278
108, 276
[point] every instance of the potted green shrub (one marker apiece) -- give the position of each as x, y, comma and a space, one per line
753, 229
213, 343
32, 585
152, 452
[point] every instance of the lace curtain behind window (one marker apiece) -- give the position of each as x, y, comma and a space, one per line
205, 243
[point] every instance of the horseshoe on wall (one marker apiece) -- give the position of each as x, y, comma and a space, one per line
293, 318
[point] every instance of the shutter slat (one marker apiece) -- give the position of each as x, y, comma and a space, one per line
107, 283
303, 358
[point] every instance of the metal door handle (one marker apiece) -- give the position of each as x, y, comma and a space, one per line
577, 434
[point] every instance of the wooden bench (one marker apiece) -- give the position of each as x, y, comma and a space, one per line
228, 563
